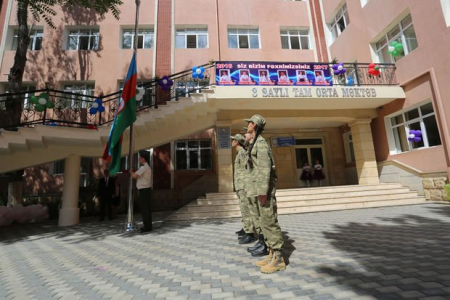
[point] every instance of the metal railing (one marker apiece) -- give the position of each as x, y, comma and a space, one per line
73, 109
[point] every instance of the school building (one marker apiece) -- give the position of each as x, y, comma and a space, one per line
356, 124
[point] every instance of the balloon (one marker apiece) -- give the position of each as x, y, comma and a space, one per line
377, 67
92, 110
371, 65
350, 81
417, 139
391, 48
418, 133
50, 104
101, 108
194, 75
95, 105
340, 67
398, 47
34, 100
39, 107
42, 101
164, 81
395, 53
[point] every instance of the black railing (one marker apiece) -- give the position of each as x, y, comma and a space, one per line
74, 109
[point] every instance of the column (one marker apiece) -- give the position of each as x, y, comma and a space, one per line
366, 164
224, 158
69, 214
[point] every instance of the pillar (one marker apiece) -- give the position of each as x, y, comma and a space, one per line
366, 164
69, 214
224, 158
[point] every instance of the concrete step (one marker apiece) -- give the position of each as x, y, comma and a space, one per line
184, 215
297, 203
314, 190
281, 197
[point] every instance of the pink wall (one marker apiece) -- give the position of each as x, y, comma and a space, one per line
106, 67
367, 25
263, 14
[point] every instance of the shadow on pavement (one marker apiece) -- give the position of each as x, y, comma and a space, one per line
406, 258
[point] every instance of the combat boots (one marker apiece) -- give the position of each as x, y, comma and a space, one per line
258, 245
261, 250
266, 260
247, 238
276, 263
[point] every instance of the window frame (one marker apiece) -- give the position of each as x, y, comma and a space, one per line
243, 34
185, 32
148, 93
35, 34
142, 32
87, 89
386, 41
394, 141
299, 35
93, 32
188, 149
349, 147
342, 12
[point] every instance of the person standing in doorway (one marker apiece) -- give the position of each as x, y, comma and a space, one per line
238, 142
306, 174
262, 192
318, 173
143, 178
106, 192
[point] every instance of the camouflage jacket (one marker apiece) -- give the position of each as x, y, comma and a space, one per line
262, 176
239, 169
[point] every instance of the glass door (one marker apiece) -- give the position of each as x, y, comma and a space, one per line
310, 154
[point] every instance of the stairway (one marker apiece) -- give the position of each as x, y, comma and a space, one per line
30, 146
305, 200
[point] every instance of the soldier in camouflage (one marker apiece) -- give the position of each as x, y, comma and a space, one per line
261, 190
238, 142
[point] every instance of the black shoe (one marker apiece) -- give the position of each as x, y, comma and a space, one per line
258, 245
240, 232
247, 239
261, 251
143, 229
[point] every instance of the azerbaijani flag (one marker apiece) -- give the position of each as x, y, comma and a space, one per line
125, 116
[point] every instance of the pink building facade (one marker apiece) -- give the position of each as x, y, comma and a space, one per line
89, 54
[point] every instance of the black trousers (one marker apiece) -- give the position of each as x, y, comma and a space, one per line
144, 196
105, 207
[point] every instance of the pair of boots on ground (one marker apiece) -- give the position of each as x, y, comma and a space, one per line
259, 249
272, 263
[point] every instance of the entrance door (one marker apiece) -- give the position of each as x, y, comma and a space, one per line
309, 154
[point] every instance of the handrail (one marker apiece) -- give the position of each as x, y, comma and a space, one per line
74, 109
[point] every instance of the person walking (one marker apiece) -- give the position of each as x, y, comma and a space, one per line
106, 192
238, 142
143, 178
262, 188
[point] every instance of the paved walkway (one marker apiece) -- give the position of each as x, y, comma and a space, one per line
384, 253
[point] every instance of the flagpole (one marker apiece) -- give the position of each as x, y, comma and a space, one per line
130, 224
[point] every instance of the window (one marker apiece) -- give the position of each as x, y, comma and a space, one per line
148, 98
84, 39
187, 87
340, 22
349, 150
403, 33
243, 38
364, 2
294, 39
35, 40
193, 155
57, 168
446, 10
28, 90
191, 38
145, 39
77, 100
421, 118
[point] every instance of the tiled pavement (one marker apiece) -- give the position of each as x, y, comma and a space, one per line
384, 253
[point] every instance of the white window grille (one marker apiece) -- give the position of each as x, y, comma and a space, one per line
84, 39
340, 22
243, 38
145, 39
295, 39
191, 38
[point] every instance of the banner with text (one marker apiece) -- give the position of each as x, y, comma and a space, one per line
273, 73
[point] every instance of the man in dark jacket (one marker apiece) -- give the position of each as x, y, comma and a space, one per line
106, 192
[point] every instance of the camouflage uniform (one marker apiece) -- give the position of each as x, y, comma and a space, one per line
263, 182
239, 186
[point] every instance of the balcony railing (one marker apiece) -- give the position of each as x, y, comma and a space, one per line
73, 109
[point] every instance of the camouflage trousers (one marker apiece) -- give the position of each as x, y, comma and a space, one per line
267, 221
247, 221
